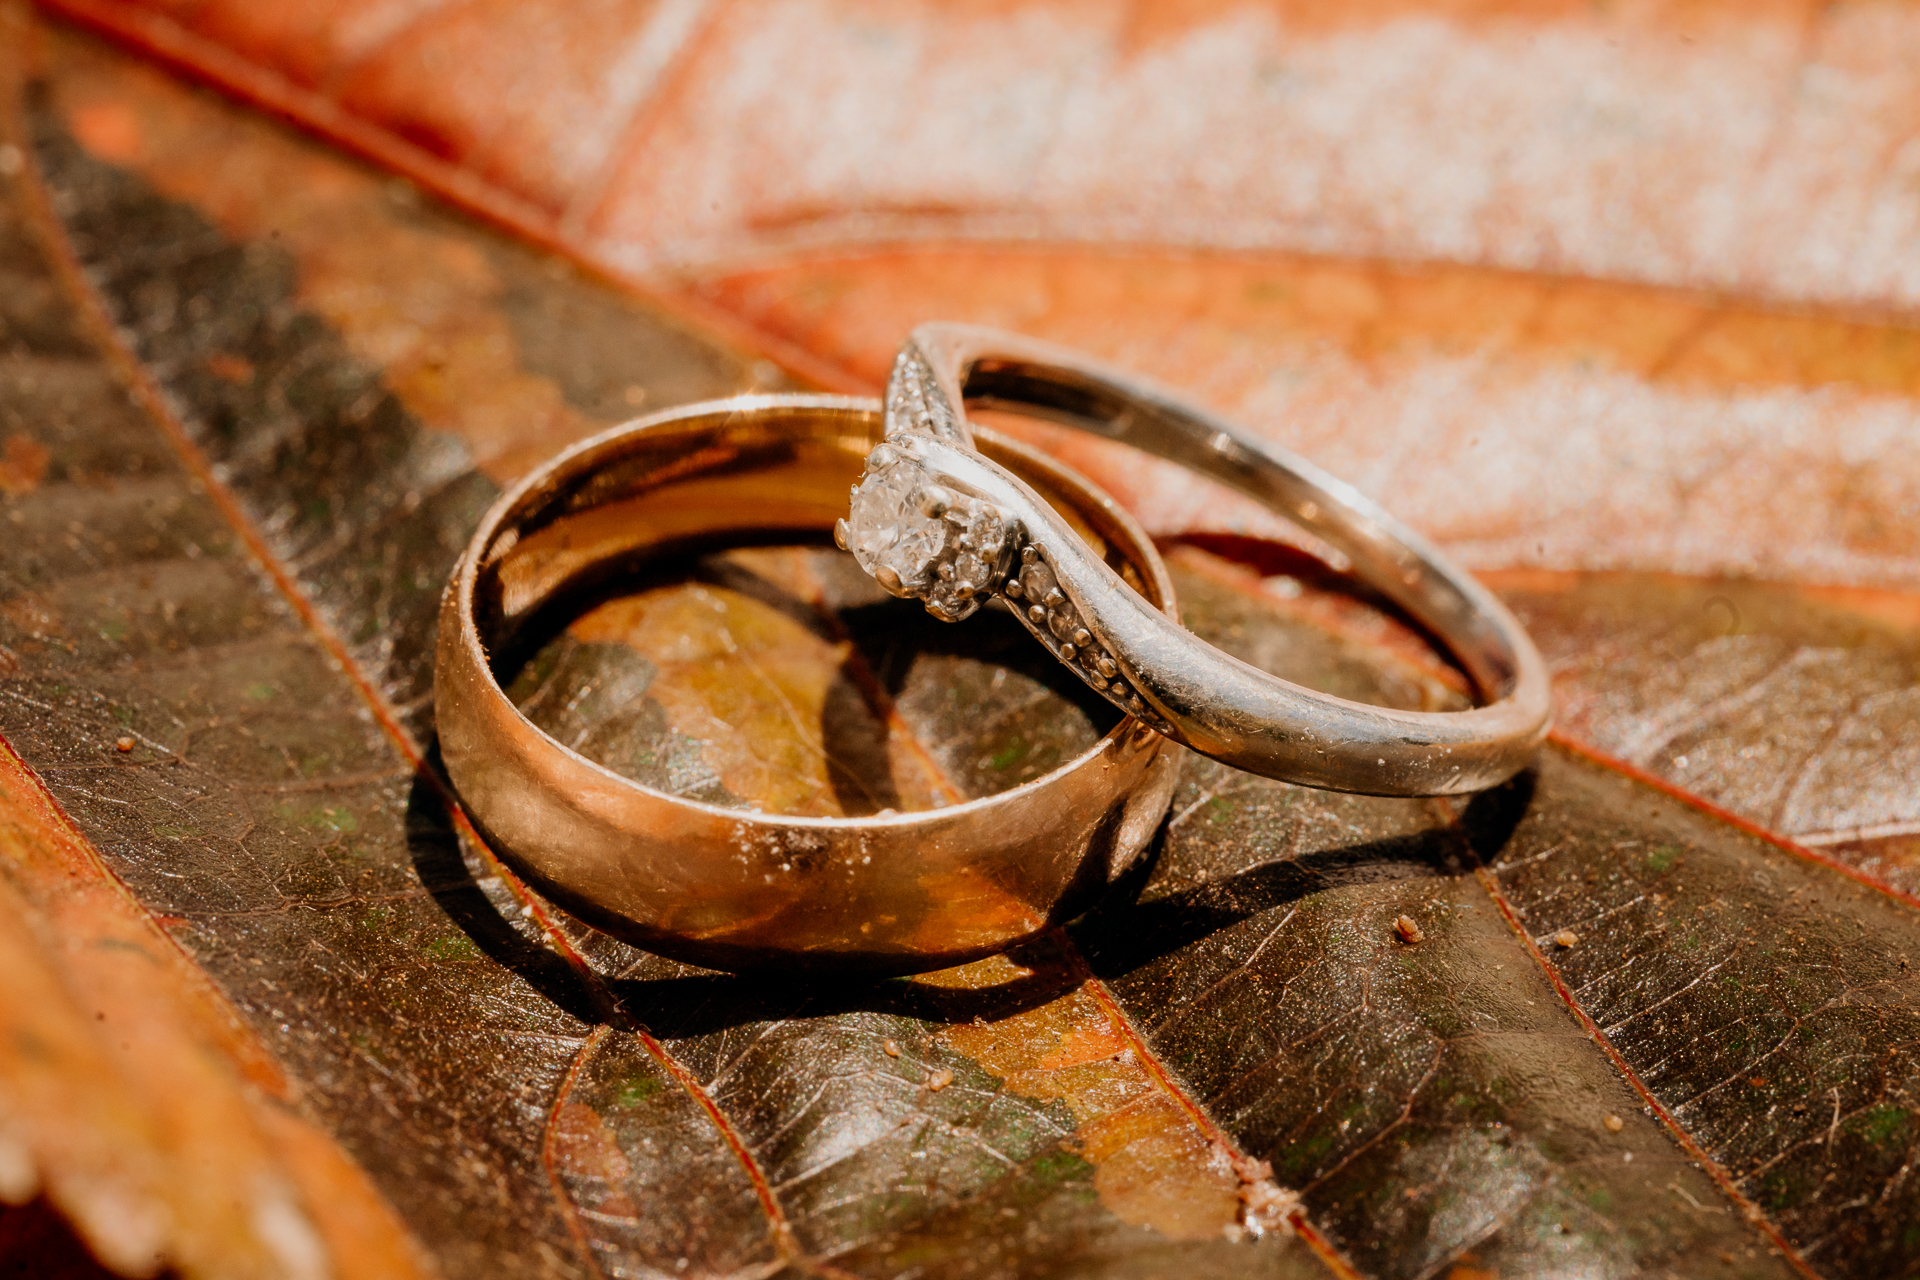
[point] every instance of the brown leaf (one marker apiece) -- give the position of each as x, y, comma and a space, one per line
1668, 143
1795, 707
1521, 421
23, 465
263, 814
292, 846
328, 385
1709, 962
1259, 972
1541, 420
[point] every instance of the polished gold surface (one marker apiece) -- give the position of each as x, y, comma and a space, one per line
735, 889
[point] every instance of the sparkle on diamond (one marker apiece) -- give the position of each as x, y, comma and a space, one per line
888, 530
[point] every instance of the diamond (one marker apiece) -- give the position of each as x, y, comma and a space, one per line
888, 531
1038, 584
971, 572
920, 537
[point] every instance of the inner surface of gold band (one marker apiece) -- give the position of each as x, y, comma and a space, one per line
677, 490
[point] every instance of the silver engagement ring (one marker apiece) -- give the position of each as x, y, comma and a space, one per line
933, 520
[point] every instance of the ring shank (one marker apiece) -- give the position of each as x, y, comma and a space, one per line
1215, 703
735, 888
1386, 555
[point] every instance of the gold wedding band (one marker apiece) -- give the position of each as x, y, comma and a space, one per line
737, 889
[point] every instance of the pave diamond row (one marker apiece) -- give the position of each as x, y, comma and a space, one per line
961, 558
913, 401
1035, 593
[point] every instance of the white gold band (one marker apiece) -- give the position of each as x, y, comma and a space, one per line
1004, 540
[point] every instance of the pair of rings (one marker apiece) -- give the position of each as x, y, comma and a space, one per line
955, 517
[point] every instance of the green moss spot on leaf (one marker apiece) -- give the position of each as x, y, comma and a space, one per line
456, 946
335, 818
1663, 857
1881, 1123
636, 1089
1052, 1168
1010, 755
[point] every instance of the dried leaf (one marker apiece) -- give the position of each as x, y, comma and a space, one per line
314, 873
1616, 421
331, 377
1521, 421
132, 1096
1669, 143
1795, 707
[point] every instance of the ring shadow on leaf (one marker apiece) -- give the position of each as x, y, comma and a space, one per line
1123, 931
